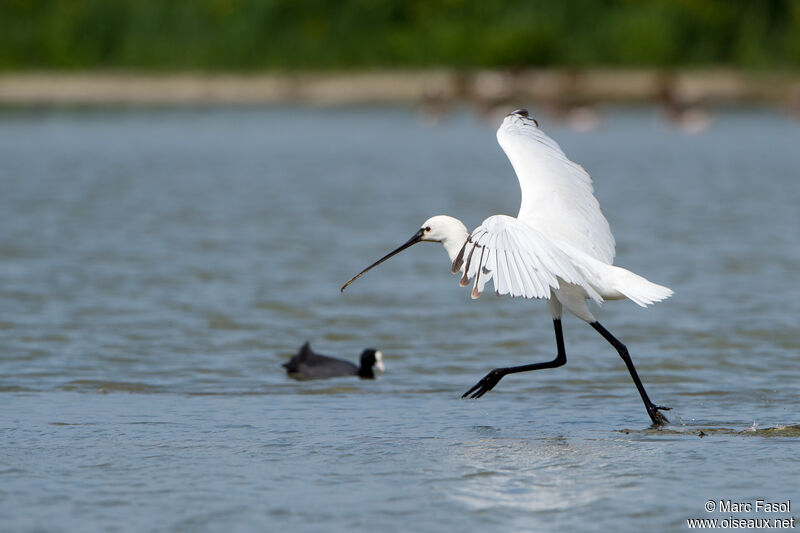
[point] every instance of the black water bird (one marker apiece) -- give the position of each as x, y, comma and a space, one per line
306, 364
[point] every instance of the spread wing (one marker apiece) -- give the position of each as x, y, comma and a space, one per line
557, 194
519, 258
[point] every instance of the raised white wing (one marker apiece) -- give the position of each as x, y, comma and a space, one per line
519, 258
557, 194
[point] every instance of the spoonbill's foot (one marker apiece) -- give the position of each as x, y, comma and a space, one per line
486, 384
655, 415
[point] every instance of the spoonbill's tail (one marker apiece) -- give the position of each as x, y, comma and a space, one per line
636, 288
615, 283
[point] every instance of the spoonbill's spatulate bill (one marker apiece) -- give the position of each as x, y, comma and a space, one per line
558, 248
307, 364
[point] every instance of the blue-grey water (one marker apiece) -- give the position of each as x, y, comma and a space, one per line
158, 265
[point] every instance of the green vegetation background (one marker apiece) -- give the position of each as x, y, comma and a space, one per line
244, 35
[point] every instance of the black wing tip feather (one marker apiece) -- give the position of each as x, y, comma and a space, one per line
522, 112
465, 278
459, 259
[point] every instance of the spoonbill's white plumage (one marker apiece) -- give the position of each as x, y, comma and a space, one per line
558, 248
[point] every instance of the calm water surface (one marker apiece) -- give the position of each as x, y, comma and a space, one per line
157, 267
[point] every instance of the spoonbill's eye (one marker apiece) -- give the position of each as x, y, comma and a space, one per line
427, 228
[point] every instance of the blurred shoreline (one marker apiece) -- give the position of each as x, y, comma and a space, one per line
482, 88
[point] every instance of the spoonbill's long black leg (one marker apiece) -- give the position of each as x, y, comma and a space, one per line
493, 378
652, 409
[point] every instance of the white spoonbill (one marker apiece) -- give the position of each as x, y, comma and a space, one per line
558, 248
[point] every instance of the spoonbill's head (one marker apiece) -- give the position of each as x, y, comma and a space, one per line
447, 230
443, 228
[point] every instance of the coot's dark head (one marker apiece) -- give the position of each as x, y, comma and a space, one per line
370, 358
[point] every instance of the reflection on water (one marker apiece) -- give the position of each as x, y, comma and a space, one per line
157, 267
520, 476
